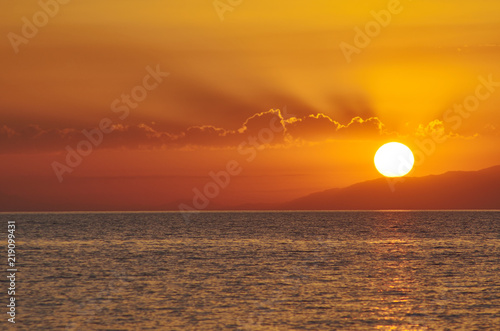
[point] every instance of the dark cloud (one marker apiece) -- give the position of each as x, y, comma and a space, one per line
312, 127
321, 127
269, 127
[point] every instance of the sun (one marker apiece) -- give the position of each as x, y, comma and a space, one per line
394, 160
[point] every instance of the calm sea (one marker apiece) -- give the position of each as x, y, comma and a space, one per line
256, 271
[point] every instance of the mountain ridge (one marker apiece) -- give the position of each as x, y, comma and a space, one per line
451, 190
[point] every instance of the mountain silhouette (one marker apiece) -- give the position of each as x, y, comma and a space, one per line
451, 190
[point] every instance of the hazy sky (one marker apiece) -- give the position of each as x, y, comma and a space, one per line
65, 72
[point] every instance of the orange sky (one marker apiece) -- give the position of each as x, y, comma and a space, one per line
271, 78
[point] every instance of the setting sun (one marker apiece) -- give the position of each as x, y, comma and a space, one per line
394, 160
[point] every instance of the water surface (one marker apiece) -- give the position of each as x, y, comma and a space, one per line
259, 271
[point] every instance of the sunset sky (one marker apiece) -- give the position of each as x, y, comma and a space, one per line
262, 83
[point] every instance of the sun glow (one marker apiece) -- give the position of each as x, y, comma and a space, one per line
394, 160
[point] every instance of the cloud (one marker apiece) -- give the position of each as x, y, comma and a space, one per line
318, 127
34, 138
312, 127
206, 135
437, 130
321, 127
263, 120
434, 128
360, 128
140, 136
254, 126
